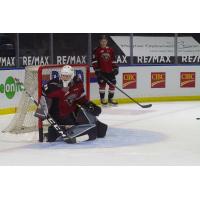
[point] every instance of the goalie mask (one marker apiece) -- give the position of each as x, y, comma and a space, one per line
67, 74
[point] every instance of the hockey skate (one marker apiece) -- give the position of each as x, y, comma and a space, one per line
112, 102
103, 102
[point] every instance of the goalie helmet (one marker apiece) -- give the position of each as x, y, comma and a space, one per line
67, 74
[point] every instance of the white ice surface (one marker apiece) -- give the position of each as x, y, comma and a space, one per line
166, 134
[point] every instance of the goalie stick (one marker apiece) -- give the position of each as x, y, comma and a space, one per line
143, 106
47, 115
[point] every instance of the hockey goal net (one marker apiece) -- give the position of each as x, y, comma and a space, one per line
35, 77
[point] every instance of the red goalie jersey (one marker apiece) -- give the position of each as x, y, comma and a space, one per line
64, 102
104, 59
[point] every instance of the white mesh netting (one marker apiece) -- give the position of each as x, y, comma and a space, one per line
24, 120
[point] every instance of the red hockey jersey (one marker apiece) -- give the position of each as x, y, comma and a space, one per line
64, 101
104, 59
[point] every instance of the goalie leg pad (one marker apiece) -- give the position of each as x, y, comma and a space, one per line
52, 134
84, 117
81, 133
101, 129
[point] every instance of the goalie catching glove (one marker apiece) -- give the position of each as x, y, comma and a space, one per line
92, 108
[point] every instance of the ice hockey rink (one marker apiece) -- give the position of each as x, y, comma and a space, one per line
165, 134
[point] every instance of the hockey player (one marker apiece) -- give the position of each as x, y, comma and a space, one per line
105, 67
69, 107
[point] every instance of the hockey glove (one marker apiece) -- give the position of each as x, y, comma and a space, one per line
92, 108
116, 71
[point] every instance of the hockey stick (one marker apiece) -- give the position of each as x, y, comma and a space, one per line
143, 106
47, 115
